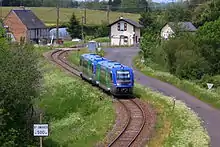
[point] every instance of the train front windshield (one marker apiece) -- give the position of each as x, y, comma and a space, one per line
123, 75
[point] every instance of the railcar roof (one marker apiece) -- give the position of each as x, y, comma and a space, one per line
111, 64
93, 57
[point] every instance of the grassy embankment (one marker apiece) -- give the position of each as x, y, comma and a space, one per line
94, 17
210, 97
175, 127
73, 109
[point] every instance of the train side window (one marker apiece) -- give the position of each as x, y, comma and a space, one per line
91, 66
110, 76
85, 63
80, 62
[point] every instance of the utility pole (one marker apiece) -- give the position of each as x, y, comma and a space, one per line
58, 18
41, 139
108, 10
82, 28
85, 12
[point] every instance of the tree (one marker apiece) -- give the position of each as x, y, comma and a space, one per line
116, 5
208, 37
207, 12
73, 27
183, 58
147, 20
20, 83
177, 13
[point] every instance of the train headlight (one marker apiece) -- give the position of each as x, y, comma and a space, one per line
118, 84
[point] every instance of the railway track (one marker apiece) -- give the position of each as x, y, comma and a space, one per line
136, 117
133, 127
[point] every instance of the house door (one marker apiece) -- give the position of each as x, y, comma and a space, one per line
125, 40
136, 39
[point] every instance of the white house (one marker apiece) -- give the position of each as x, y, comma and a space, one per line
124, 32
169, 29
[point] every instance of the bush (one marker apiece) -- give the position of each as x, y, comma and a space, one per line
210, 79
19, 82
183, 58
96, 30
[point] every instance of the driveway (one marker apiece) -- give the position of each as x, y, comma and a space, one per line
209, 115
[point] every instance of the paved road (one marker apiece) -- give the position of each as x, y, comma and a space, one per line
209, 115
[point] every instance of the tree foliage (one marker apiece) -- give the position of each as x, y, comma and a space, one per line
183, 59
187, 55
74, 28
19, 82
177, 13
209, 11
208, 37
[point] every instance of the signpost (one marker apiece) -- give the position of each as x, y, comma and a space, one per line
210, 85
41, 130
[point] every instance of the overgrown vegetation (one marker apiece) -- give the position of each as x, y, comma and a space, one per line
78, 114
186, 56
20, 83
176, 124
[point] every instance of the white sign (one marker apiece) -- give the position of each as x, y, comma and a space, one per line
41, 130
209, 85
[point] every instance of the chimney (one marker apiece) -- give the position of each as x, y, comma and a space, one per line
22, 7
121, 17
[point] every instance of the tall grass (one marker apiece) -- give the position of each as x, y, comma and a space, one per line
78, 114
210, 97
177, 125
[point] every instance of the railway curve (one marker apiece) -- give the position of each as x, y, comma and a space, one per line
137, 123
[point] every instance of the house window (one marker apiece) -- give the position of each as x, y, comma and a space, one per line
121, 26
125, 26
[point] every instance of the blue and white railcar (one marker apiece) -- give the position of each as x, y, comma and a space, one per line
88, 64
115, 77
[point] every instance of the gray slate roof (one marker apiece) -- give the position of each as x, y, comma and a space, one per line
29, 19
136, 24
183, 26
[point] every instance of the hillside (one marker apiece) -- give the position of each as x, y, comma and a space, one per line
48, 15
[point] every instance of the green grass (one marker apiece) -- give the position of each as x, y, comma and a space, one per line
74, 56
179, 127
73, 109
210, 97
94, 17
69, 43
102, 39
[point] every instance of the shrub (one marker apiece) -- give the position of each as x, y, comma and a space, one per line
19, 82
